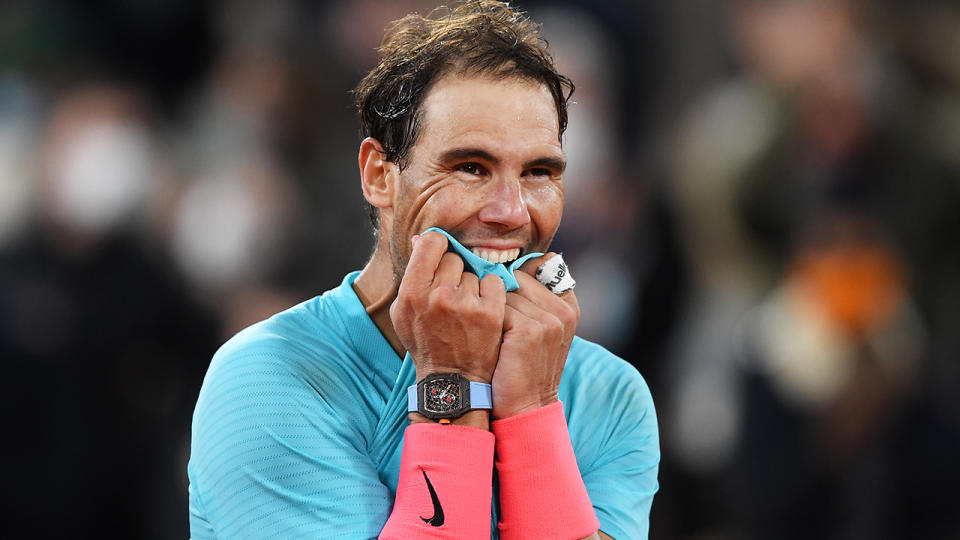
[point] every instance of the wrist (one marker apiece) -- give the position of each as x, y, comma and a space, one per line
423, 372
479, 419
517, 408
450, 398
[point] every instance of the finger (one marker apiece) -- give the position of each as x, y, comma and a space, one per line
531, 288
527, 306
552, 271
425, 257
512, 317
493, 290
536, 292
449, 271
558, 316
529, 269
470, 283
518, 312
530, 266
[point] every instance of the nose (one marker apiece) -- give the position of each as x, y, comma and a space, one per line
505, 205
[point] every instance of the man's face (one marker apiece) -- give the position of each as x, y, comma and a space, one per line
487, 168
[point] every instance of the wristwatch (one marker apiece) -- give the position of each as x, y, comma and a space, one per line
447, 395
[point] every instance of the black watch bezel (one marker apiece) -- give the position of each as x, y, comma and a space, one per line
457, 409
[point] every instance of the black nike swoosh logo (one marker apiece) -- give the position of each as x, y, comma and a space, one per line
437, 519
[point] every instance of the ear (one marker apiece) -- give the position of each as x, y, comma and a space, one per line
377, 175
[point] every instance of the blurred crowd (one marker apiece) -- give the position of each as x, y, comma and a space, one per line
762, 211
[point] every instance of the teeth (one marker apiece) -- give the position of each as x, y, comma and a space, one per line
496, 255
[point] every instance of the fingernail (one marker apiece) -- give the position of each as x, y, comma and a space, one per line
413, 241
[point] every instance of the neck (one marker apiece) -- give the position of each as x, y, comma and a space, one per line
377, 289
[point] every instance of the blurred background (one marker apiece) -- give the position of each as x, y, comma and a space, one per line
763, 211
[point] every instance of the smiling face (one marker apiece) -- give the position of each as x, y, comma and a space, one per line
487, 168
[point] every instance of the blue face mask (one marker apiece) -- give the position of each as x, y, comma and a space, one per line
481, 267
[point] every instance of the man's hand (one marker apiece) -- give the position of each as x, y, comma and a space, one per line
538, 328
448, 319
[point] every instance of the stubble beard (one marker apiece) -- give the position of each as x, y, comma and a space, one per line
397, 261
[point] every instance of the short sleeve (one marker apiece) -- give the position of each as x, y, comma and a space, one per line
613, 426
278, 453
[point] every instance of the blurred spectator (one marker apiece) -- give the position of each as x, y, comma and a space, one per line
102, 341
832, 354
229, 225
820, 124
18, 134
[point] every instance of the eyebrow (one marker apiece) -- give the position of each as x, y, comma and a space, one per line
457, 154
557, 164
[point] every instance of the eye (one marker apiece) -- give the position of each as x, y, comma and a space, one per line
539, 173
472, 168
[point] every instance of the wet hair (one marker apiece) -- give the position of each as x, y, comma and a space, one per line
477, 37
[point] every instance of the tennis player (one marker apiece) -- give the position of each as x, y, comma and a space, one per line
439, 392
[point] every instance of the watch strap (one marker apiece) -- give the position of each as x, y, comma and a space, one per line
481, 396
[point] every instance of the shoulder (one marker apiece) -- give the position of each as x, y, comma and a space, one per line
283, 416
293, 343
295, 332
593, 370
608, 405
298, 363
309, 339
289, 328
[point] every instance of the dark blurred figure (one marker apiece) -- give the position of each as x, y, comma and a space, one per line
840, 437
844, 435
102, 345
815, 392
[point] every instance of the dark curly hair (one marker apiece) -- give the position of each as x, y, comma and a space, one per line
484, 37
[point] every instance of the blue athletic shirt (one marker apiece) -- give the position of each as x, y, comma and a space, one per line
299, 427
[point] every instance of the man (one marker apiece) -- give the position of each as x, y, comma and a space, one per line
375, 409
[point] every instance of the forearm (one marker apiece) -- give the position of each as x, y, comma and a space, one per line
445, 484
541, 492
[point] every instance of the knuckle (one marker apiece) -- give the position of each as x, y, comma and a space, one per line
555, 329
482, 312
543, 328
442, 296
526, 326
493, 287
433, 238
451, 259
569, 316
569, 313
400, 304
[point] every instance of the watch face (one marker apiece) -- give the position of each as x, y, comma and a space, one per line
443, 395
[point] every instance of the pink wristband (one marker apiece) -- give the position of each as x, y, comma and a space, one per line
541, 492
445, 485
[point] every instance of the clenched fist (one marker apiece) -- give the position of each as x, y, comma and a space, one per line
538, 328
448, 319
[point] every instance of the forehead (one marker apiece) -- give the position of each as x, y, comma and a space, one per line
509, 114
